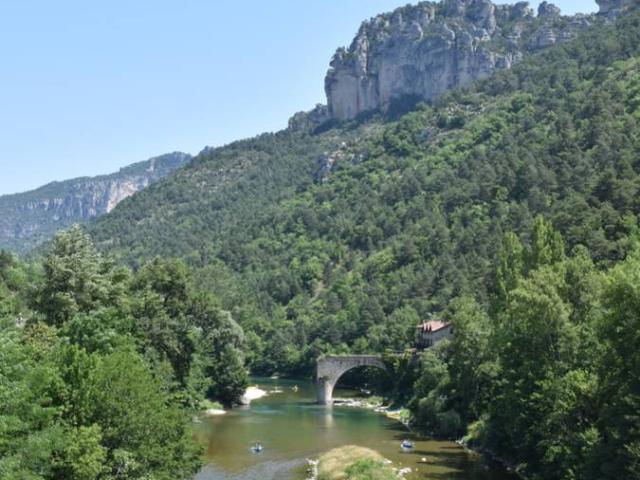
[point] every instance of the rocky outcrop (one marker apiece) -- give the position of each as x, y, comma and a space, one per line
613, 8
29, 218
327, 161
302, 121
546, 9
419, 51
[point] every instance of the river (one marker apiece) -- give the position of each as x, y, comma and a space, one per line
292, 428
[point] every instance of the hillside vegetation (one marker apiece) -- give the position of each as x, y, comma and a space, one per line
414, 212
510, 209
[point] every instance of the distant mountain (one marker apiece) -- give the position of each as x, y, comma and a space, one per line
30, 218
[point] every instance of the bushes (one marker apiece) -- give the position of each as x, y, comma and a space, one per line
354, 463
368, 469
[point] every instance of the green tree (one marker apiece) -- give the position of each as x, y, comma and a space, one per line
145, 435
472, 360
76, 278
82, 457
547, 245
619, 396
510, 267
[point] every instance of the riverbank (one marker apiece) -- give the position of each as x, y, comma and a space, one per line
252, 393
491, 457
376, 404
403, 416
213, 409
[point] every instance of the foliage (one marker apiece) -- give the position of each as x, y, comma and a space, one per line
545, 380
367, 469
414, 210
99, 370
353, 463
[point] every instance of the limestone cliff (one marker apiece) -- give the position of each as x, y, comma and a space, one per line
613, 8
29, 218
419, 51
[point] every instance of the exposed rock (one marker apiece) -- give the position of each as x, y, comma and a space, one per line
328, 160
520, 11
613, 8
309, 120
419, 51
548, 10
29, 218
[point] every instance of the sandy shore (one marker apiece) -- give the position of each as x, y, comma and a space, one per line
252, 393
212, 412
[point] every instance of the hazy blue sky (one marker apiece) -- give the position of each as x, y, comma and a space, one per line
88, 87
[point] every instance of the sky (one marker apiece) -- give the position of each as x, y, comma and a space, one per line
89, 87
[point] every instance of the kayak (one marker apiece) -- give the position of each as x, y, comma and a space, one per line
257, 448
407, 445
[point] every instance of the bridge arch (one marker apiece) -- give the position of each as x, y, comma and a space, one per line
331, 367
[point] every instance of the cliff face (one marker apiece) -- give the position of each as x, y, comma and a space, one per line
613, 8
29, 218
419, 51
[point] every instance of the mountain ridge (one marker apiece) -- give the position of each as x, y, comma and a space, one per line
420, 51
32, 217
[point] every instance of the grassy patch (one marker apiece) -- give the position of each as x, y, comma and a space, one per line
354, 463
207, 404
369, 469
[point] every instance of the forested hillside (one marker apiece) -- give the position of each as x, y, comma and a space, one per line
220, 190
413, 212
509, 208
545, 379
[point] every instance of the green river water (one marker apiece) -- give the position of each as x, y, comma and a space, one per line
292, 428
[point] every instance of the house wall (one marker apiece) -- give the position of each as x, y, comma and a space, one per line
428, 339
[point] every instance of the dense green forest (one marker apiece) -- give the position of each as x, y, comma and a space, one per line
413, 212
101, 367
546, 378
509, 208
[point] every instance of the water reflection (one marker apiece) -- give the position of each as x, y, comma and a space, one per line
292, 427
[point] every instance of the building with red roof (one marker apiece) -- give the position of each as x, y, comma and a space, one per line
430, 332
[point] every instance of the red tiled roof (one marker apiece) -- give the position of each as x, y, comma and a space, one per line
433, 326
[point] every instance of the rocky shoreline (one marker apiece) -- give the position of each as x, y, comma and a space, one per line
376, 405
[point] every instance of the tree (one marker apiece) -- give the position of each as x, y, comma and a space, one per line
510, 267
547, 246
29, 427
220, 346
76, 278
472, 360
619, 396
145, 435
82, 456
203, 344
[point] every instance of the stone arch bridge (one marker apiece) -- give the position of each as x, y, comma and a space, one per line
331, 367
